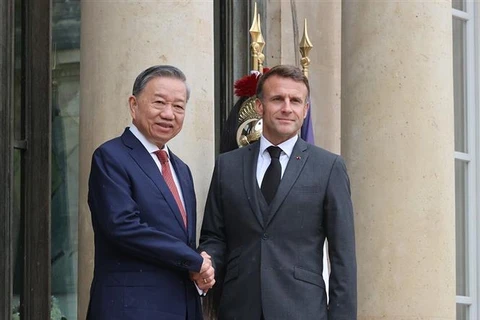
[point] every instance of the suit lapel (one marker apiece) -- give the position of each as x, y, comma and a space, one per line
250, 179
295, 165
146, 163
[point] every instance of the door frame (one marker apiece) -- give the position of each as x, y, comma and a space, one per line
35, 147
6, 155
38, 112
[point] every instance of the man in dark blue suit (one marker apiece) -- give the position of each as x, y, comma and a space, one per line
143, 207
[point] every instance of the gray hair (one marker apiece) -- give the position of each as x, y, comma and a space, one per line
165, 71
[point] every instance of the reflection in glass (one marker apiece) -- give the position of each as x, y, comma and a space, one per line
18, 223
64, 163
462, 312
459, 88
18, 111
18, 231
458, 4
461, 226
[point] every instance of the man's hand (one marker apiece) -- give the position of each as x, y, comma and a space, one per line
205, 279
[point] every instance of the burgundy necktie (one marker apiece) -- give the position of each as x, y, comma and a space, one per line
168, 177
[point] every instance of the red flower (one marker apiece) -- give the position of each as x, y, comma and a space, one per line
247, 85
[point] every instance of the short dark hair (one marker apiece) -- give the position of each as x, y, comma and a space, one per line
158, 71
283, 71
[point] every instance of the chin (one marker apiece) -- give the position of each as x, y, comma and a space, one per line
287, 134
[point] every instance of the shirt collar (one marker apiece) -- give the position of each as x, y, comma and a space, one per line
151, 147
286, 146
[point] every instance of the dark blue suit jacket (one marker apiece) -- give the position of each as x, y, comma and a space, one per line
142, 251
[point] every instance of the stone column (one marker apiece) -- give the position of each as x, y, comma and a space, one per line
119, 40
397, 139
324, 30
284, 30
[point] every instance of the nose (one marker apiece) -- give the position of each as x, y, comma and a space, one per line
167, 112
287, 106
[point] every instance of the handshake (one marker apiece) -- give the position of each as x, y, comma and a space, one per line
205, 278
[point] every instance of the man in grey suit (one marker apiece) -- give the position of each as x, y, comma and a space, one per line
269, 211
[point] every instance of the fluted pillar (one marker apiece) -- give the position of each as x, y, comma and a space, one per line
119, 40
397, 138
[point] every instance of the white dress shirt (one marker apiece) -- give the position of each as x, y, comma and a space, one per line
152, 148
264, 158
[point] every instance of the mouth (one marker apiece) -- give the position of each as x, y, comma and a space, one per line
285, 120
164, 125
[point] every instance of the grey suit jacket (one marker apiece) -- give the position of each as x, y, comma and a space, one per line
272, 255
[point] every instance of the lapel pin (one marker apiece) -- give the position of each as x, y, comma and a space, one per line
298, 157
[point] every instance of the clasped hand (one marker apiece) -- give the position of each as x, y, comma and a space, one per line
205, 279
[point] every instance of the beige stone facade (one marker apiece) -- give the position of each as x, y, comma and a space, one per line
397, 139
119, 40
382, 96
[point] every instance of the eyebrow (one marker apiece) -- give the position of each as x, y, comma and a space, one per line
161, 96
291, 98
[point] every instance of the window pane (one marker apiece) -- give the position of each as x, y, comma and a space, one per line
18, 227
18, 223
18, 112
461, 227
65, 143
459, 85
458, 4
462, 312
241, 54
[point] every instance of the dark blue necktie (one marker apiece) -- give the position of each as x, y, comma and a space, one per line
271, 180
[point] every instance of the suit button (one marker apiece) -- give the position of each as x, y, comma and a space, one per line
265, 236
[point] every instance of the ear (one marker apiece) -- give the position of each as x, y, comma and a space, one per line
305, 110
132, 104
259, 107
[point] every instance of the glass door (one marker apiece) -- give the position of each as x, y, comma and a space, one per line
64, 157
